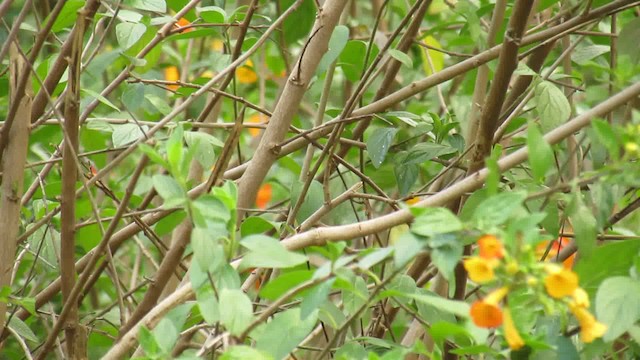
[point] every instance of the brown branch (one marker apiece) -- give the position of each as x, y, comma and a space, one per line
13, 178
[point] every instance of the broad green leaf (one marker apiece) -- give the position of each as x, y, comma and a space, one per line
243, 352
148, 341
133, 96
208, 304
352, 59
426, 151
150, 5
282, 334
378, 144
566, 350
406, 117
582, 54
265, 251
606, 136
313, 200
436, 57
168, 329
100, 98
314, 298
433, 221
584, 227
128, 34
338, 41
212, 14
278, 286
237, 311
523, 69
446, 251
167, 187
130, 16
22, 329
355, 297
255, 225
402, 57
553, 107
628, 40
124, 134
374, 258
67, 16
619, 255
208, 252
175, 150
298, 24
153, 154
496, 209
406, 176
540, 153
441, 331
458, 308
406, 248
618, 305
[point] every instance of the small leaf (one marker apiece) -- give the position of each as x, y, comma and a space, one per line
208, 252
150, 5
20, 327
523, 69
406, 176
606, 136
282, 334
167, 187
583, 54
300, 22
100, 98
265, 251
124, 134
242, 352
437, 57
213, 14
338, 41
278, 286
67, 16
618, 305
378, 144
540, 153
238, 310
628, 40
402, 57
433, 221
406, 248
315, 298
496, 209
133, 96
584, 227
129, 33
553, 106
458, 308
426, 151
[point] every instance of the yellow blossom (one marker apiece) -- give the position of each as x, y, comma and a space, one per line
511, 333
412, 201
560, 282
580, 298
486, 313
480, 270
590, 328
512, 268
171, 73
245, 73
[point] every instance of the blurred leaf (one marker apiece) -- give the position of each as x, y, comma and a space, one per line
426, 151
406, 176
299, 23
213, 14
67, 16
150, 5
437, 57
133, 97
243, 352
628, 40
313, 200
540, 153
128, 33
606, 136
124, 134
255, 225
402, 57
433, 221
278, 286
338, 41
495, 210
618, 305
100, 98
168, 329
21, 328
265, 251
167, 187
584, 227
619, 255
553, 106
582, 54
285, 332
238, 310
378, 144
314, 298
148, 341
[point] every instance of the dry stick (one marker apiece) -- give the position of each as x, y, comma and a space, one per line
267, 152
93, 257
320, 236
70, 171
13, 178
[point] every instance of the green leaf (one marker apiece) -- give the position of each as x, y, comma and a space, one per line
255, 225
153, 154
406, 176
133, 97
338, 41
167, 331
374, 258
212, 14
433, 221
265, 251
208, 252
401, 57
584, 227
540, 153
618, 305
150, 5
299, 23
314, 298
378, 144
446, 251
283, 283
405, 249
426, 151
238, 310
128, 34
175, 150
282, 334
100, 98
352, 59
67, 16
124, 134
148, 342
458, 308
313, 200
628, 40
167, 187
243, 352
208, 304
582, 54
566, 350
20, 327
553, 107
496, 209
606, 136
619, 255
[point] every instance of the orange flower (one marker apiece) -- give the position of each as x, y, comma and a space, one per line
245, 73
171, 73
264, 196
511, 333
480, 270
556, 246
486, 313
182, 23
590, 328
560, 282
490, 247
257, 119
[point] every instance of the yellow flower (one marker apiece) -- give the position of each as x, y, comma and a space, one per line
412, 201
486, 313
256, 119
171, 73
512, 268
490, 247
590, 329
580, 298
480, 270
511, 332
245, 73
631, 147
560, 282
